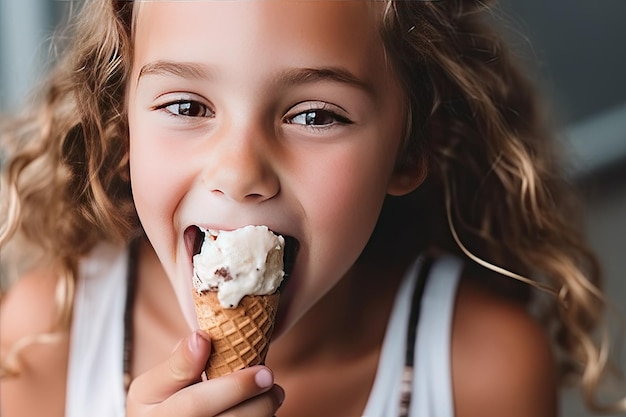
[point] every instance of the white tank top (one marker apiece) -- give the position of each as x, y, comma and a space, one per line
431, 389
95, 384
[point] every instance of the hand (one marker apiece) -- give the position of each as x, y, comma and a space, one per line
173, 388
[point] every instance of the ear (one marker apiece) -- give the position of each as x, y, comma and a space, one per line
407, 178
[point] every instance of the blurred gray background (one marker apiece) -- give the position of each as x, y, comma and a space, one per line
575, 49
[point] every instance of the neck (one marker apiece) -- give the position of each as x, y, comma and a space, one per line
158, 320
348, 322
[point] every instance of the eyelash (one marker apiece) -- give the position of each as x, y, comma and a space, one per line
190, 103
323, 109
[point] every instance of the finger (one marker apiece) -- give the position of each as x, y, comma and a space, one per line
263, 405
180, 370
217, 395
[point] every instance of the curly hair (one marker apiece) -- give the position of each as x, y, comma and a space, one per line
67, 171
479, 121
472, 116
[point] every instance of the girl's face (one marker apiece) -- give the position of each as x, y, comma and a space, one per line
280, 113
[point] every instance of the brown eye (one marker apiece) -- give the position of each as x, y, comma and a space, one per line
317, 118
188, 108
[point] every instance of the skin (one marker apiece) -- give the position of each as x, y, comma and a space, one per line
247, 156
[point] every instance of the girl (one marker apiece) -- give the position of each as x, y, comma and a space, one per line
391, 141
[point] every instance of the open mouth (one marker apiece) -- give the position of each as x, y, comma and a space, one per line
194, 238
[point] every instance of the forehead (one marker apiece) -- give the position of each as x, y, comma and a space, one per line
256, 34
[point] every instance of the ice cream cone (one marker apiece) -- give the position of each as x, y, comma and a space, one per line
240, 336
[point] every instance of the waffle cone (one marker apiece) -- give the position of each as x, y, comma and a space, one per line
240, 337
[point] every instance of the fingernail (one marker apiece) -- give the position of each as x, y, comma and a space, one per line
264, 378
194, 342
203, 335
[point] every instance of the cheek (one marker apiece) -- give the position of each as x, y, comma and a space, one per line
343, 201
156, 185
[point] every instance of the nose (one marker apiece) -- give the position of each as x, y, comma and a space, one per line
239, 168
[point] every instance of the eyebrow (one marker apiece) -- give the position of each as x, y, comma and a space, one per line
297, 76
190, 70
292, 76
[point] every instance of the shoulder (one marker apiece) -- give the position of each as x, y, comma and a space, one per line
26, 310
29, 305
502, 359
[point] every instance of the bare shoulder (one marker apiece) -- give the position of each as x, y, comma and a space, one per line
502, 359
28, 309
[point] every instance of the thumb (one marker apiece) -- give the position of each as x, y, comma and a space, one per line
181, 369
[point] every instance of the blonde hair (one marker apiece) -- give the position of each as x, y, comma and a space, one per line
479, 121
473, 118
68, 168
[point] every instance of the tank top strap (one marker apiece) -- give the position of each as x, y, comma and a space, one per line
95, 385
432, 389
413, 378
